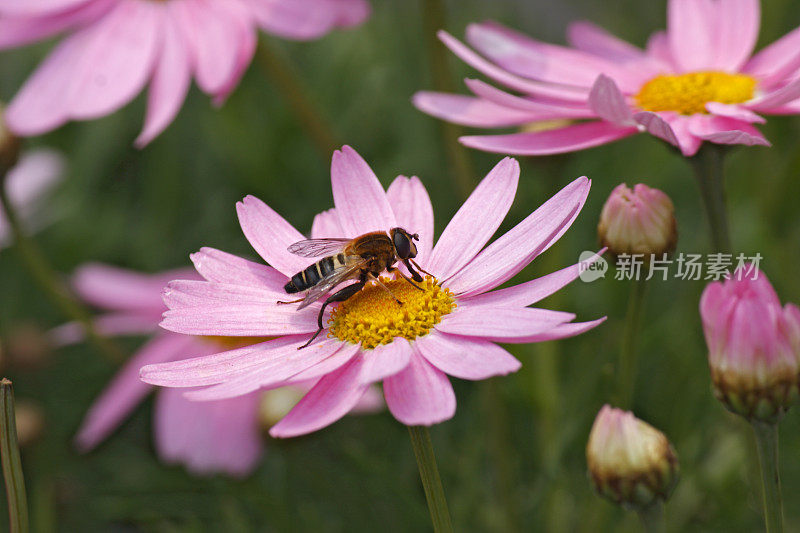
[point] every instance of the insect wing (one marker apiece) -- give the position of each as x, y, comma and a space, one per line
318, 247
343, 273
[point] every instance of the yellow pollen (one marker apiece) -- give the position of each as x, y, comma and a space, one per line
232, 343
372, 317
688, 94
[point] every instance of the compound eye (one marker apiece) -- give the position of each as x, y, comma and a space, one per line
402, 245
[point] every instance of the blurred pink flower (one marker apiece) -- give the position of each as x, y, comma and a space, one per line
36, 173
753, 344
696, 82
116, 47
207, 437
450, 327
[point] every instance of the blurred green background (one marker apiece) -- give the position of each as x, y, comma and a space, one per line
513, 456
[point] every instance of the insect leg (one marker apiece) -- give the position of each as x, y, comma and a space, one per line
290, 301
400, 272
421, 269
387, 289
339, 296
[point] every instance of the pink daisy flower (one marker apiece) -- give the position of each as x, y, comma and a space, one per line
451, 326
696, 82
206, 437
114, 48
34, 175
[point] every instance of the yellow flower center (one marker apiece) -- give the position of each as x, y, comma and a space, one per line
372, 317
689, 93
232, 343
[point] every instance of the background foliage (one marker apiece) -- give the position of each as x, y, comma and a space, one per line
513, 456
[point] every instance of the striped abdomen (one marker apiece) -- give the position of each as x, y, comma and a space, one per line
312, 275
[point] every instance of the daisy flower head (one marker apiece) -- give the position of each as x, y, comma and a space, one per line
112, 49
697, 81
205, 437
449, 325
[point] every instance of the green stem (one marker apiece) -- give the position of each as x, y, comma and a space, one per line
767, 443
627, 354
283, 75
44, 275
12, 464
652, 517
431, 482
434, 14
708, 166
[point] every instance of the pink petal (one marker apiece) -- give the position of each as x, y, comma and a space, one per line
358, 195
530, 292
609, 103
658, 48
37, 7
278, 369
24, 29
34, 175
117, 60
307, 19
170, 83
216, 36
371, 402
690, 29
109, 325
466, 358
656, 126
270, 235
476, 220
559, 141
221, 267
326, 366
413, 211
595, 40
501, 324
125, 391
509, 254
733, 111
737, 23
536, 60
330, 399
777, 98
539, 110
420, 395
722, 130
469, 111
326, 224
548, 90
778, 61
385, 360
224, 366
120, 289
205, 308
687, 141
208, 437
562, 331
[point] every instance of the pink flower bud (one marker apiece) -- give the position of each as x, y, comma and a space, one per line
630, 461
638, 221
753, 345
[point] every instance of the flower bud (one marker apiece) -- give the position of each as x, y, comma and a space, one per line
9, 146
753, 345
638, 221
630, 461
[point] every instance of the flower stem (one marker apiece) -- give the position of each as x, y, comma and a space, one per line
767, 443
431, 482
48, 280
652, 517
433, 19
12, 464
627, 356
708, 167
283, 75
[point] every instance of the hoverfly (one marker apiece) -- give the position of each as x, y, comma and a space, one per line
362, 258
